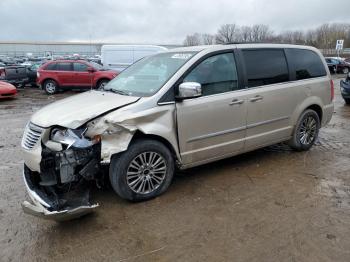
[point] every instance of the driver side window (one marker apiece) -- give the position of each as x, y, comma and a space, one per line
217, 74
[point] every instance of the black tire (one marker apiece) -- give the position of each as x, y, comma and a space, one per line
102, 83
50, 87
296, 142
121, 164
347, 101
345, 70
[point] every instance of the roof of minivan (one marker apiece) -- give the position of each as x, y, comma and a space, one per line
228, 46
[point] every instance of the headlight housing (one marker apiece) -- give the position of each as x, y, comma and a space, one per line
70, 137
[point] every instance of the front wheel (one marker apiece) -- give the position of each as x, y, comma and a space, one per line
306, 131
142, 172
101, 84
50, 87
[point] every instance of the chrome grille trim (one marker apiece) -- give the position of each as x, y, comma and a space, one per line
31, 136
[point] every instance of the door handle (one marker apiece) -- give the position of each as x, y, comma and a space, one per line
256, 98
236, 102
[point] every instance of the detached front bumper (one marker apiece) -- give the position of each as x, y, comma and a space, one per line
43, 207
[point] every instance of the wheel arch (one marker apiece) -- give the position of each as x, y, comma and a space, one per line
99, 80
49, 78
140, 135
313, 103
318, 109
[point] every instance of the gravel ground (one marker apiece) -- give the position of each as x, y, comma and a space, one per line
272, 204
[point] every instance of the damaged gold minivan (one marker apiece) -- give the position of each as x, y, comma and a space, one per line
176, 109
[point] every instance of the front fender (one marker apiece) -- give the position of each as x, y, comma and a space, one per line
118, 128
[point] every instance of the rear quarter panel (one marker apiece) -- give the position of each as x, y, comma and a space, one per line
316, 91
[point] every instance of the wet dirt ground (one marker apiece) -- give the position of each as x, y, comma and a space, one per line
268, 205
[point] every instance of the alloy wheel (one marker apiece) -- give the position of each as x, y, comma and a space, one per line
50, 87
146, 172
308, 130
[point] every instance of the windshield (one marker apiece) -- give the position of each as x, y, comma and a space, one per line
148, 75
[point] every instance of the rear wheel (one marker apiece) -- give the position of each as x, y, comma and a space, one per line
306, 131
345, 70
142, 172
50, 87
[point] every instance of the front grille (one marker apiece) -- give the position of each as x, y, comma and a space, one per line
31, 136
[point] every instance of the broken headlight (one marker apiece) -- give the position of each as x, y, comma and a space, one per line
75, 138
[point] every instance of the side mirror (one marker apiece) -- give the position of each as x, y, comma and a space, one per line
91, 69
189, 90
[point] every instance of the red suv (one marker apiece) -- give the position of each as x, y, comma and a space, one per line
64, 74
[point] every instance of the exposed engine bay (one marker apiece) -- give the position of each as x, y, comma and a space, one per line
70, 166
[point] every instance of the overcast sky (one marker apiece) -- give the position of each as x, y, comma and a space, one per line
155, 21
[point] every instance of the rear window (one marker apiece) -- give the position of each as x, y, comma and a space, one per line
307, 64
265, 67
64, 67
51, 66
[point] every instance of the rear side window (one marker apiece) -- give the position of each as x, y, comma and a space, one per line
51, 66
307, 64
64, 67
265, 67
80, 67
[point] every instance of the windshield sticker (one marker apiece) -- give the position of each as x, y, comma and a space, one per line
181, 56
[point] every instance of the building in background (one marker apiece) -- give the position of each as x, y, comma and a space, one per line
55, 48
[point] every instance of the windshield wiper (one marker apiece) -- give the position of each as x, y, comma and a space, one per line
120, 92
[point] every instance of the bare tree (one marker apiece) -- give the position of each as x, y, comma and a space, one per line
246, 33
226, 34
260, 33
192, 40
323, 37
208, 39
292, 37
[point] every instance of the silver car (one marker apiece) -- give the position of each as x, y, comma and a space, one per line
173, 110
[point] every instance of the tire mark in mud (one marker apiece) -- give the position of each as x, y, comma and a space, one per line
326, 144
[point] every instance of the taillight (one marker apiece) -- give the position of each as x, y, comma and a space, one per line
332, 90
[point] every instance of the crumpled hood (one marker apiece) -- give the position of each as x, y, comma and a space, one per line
76, 110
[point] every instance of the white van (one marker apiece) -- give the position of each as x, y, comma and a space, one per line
119, 57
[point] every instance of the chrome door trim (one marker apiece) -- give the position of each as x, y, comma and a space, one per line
217, 134
267, 122
166, 103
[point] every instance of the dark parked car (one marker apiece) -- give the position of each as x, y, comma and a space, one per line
16, 75
336, 65
345, 89
331, 65
32, 74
